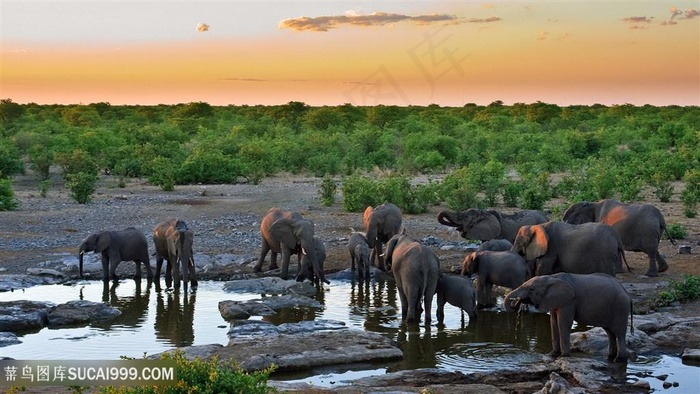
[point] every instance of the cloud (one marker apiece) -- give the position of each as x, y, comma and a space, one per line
637, 19
690, 14
202, 27
675, 12
326, 23
542, 35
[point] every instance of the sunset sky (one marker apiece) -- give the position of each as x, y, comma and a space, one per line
359, 52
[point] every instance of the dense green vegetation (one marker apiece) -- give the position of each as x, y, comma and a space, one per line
492, 154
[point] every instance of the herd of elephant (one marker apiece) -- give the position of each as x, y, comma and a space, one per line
555, 266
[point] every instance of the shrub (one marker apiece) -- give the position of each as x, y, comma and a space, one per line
688, 289
44, 187
41, 159
162, 174
204, 376
460, 189
690, 196
327, 191
8, 201
663, 189
512, 191
76, 161
82, 186
676, 231
359, 193
10, 160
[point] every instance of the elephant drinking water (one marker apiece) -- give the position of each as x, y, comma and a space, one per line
117, 246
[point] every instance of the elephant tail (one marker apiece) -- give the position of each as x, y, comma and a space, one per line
624, 258
631, 317
673, 242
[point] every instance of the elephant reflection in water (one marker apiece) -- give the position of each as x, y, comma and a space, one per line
532, 330
175, 317
419, 348
134, 308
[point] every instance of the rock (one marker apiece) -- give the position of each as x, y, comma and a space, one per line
556, 385
233, 310
270, 285
80, 312
46, 272
23, 315
15, 282
684, 249
691, 357
8, 339
294, 352
642, 384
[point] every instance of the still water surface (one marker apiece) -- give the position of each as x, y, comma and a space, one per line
153, 322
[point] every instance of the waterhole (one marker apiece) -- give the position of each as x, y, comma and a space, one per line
153, 322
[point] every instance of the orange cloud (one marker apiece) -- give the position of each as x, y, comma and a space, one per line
637, 19
326, 23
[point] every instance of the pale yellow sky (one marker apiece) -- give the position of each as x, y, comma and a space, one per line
363, 53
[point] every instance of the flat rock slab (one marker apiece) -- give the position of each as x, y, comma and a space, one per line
15, 282
691, 357
301, 351
270, 285
80, 312
234, 310
23, 315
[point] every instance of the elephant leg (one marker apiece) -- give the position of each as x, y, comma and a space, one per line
427, 306
556, 336
113, 270
352, 260
441, 308
261, 259
652, 271
404, 305
168, 275
662, 264
286, 256
193, 273
137, 273
273, 260
159, 266
612, 344
565, 321
105, 268
488, 291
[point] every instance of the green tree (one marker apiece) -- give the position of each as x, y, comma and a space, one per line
8, 201
82, 186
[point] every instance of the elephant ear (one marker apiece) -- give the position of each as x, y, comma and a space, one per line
556, 293
390, 246
582, 212
284, 230
366, 216
472, 263
483, 227
104, 239
538, 243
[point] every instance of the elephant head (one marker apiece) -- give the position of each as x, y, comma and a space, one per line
582, 212
391, 246
470, 264
472, 223
96, 242
295, 234
381, 223
531, 242
545, 293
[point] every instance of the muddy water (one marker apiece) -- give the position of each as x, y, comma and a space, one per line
153, 322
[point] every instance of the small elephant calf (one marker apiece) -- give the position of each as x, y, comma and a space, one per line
359, 250
504, 268
457, 291
592, 299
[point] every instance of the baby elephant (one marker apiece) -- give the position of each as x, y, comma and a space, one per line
359, 250
506, 268
592, 299
457, 291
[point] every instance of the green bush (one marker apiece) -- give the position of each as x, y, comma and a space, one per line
512, 190
163, 174
676, 231
327, 191
688, 289
44, 187
8, 201
82, 186
359, 193
206, 377
10, 160
76, 161
41, 158
690, 196
663, 189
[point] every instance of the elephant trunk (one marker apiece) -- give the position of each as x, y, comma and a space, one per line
444, 218
80, 260
512, 302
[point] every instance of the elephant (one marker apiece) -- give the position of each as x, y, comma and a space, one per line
495, 245
574, 248
457, 291
381, 223
359, 251
116, 246
639, 226
173, 242
484, 225
591, 299
502, 268
306, 269
288, 233
416, 269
